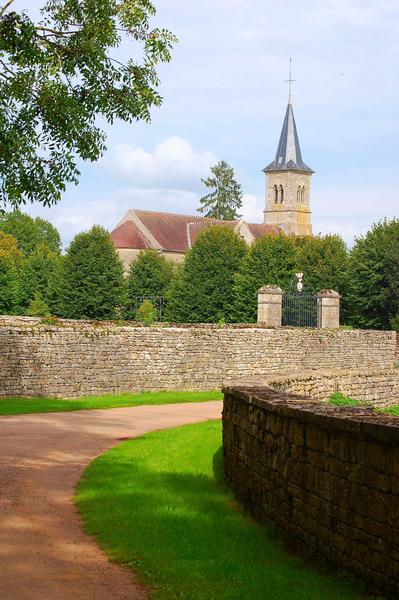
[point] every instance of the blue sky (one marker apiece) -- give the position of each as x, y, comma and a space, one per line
225, 98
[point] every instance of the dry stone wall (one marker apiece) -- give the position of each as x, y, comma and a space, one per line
379, 388
327, 477
76, 358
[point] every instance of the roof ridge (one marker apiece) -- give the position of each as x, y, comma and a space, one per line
160, 212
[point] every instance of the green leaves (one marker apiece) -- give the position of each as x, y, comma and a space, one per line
150, 274
374, 276
271, 260
30, 233
92, 284
203, 290
58, 76
226, 198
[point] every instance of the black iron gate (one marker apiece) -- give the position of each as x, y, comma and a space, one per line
300, 307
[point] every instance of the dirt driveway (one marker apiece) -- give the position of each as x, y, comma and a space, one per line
44, 555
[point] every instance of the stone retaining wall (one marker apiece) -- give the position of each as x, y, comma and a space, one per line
378, 388
327, 477
76, 358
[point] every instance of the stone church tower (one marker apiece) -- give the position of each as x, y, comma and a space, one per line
288, 183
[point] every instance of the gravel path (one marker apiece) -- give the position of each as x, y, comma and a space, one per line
44, 554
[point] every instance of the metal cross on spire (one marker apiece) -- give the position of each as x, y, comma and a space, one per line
290, 81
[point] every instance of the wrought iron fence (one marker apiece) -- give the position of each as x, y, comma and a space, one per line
158, 302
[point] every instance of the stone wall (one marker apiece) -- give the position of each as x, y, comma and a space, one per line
327, 477
76, 358
378, 388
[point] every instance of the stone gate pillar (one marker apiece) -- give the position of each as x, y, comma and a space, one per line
270, 300
328, 303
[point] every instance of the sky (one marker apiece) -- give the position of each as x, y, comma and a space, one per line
225, 97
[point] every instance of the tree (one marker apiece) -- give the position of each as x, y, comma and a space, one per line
30, 232
150, 274
271, 260
54, 295
10, 260
92, 283
9, 246
58, 76
203, 290
226, 198
374, 271
324, 262
36, 272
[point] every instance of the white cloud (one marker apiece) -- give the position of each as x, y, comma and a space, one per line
252, 208
172, 164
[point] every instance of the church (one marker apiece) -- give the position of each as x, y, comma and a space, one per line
287, 208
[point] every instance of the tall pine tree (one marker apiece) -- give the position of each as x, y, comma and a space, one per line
225, 199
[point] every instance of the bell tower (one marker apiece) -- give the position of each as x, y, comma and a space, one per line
288, 181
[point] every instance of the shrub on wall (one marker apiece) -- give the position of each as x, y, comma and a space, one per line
37, 307
149, 275
203, 289
92, 283
271, 260
146, 313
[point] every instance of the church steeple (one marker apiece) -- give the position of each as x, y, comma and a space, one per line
288, 181
288, 155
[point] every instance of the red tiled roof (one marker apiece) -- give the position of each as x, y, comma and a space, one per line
128, 235
170, 229
260, 229
196, 228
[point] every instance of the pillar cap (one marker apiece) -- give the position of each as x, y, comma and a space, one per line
270, 289
328, 294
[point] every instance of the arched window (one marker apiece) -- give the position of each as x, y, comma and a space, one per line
298, 194
281, 194
303, 195
275, 194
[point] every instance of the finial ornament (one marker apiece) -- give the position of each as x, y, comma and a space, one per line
299, 285
290, 81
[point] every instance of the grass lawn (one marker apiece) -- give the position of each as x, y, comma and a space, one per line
18, 406
158, 504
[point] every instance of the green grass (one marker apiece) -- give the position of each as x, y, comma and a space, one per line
158, 505
18, 406
392, 410
339, 399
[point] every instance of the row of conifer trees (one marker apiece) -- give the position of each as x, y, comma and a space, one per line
217, 282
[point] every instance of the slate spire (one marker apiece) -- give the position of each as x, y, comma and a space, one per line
288, 155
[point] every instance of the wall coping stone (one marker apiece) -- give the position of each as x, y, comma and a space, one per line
16, 322
350, 419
